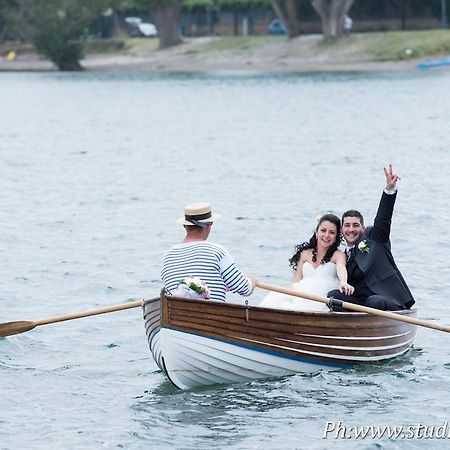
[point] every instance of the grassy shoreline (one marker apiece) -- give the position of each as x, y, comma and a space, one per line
252, 52
377, 46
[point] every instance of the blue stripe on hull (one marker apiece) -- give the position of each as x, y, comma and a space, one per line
269, 352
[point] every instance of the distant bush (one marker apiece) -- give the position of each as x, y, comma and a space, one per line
59, 28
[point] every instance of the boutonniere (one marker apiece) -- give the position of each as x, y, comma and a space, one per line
363, 246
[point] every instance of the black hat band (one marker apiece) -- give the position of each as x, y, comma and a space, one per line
194, 219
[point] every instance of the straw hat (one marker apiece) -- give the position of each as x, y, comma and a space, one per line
198, 214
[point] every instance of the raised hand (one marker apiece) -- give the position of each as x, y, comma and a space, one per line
391, 178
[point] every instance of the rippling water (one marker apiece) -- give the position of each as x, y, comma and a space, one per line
95, 168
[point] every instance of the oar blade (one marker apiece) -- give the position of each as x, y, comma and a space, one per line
10, 328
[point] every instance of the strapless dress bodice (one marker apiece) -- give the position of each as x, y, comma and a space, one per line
316, 280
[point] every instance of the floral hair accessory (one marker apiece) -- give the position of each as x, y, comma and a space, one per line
196, 285
363, 246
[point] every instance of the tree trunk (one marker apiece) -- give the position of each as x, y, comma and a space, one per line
286, 11
116, 25
74, 66
293, 24
166, 19
332, 14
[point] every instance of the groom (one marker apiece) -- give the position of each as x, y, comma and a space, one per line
371, 268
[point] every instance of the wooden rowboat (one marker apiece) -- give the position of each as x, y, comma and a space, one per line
198, 343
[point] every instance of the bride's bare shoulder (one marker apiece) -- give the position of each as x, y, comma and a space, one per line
338, 255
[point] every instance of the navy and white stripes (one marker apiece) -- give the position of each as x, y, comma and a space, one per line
207, 261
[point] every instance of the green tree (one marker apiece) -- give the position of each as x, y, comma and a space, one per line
58, 28
10, 12
3, 9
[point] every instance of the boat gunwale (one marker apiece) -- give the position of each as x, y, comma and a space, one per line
288, 311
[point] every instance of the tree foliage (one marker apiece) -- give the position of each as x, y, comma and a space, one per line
10, 14
58, 28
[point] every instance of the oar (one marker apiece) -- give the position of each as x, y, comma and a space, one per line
9, 328
353, 307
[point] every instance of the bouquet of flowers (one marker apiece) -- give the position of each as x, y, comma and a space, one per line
192, 287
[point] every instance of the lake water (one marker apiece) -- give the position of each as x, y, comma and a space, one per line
95, 169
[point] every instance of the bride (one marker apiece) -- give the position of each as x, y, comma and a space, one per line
319, 267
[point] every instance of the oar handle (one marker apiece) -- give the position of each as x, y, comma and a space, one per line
353, 307
91, 312
10, 328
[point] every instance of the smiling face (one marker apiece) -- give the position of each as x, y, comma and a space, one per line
326, 234
352, 229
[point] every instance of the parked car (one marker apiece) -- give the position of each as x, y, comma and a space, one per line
276, 27
138, 28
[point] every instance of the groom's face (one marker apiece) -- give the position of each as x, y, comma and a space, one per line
352, 229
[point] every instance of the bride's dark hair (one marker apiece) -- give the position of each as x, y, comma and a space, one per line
312, 243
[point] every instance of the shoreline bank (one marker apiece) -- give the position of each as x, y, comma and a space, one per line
305, 54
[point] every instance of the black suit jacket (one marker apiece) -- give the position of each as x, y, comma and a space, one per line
381, 274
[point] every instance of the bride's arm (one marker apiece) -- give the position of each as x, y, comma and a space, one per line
298, 274
341, 269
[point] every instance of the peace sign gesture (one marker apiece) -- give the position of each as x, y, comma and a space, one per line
391, 178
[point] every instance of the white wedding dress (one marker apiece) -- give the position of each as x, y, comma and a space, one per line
316, 281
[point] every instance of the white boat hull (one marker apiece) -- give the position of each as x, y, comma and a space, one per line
191, 361
200, 343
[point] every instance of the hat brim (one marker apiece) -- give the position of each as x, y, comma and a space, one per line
183, 221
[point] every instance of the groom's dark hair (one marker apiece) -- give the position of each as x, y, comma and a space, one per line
353, 213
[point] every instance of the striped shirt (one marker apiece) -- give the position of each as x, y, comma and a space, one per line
207, 261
